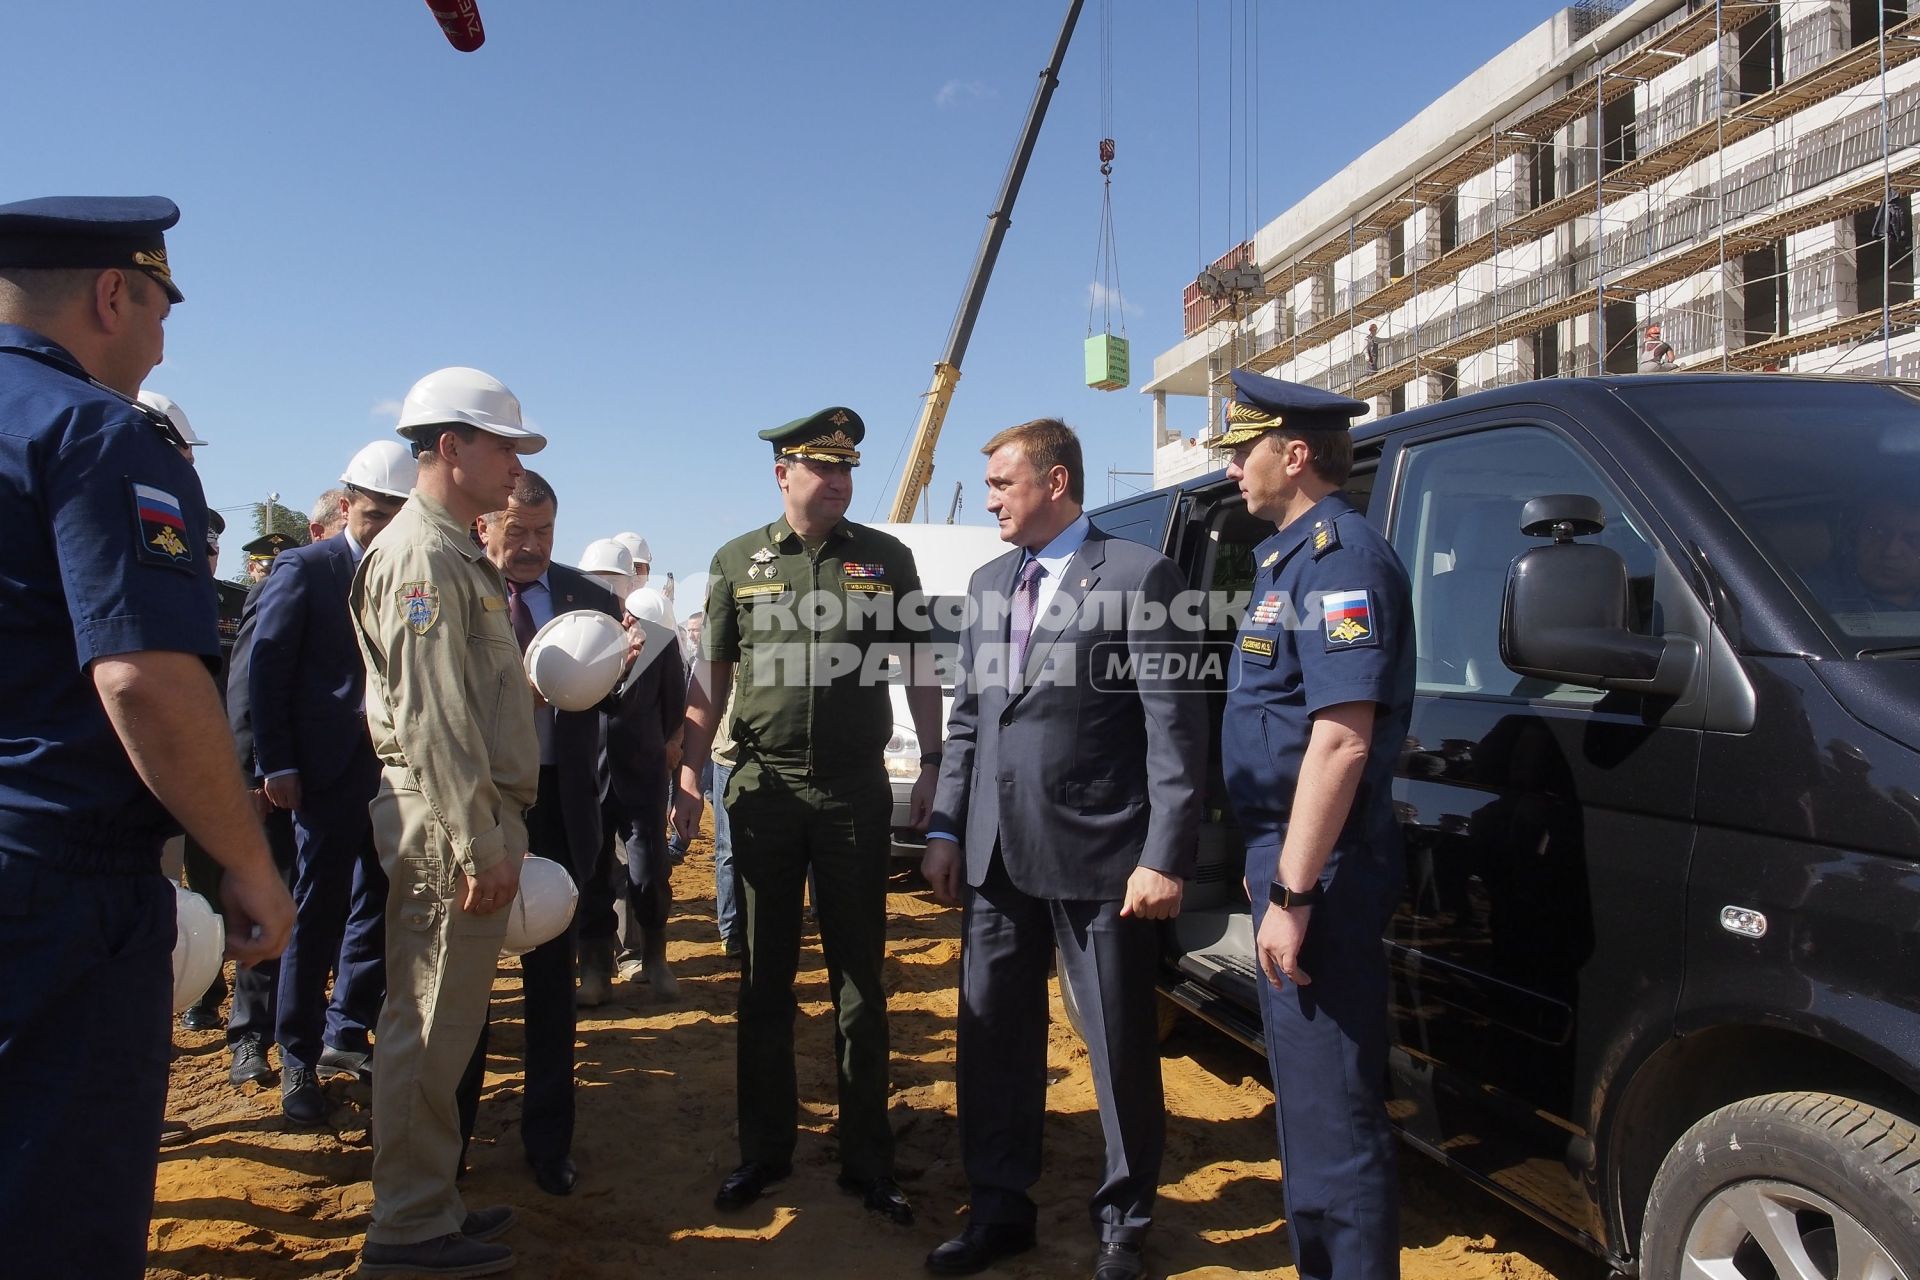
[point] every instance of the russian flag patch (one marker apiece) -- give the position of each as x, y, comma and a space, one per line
161, 524
1349, 616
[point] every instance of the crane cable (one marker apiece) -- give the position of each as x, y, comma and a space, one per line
1104, 296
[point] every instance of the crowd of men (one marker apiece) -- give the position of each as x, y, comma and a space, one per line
395, 766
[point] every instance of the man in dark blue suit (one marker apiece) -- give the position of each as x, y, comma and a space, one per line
564, 825
307, 684
1067, 815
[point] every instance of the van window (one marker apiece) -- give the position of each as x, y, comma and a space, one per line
1457, 529
1142, 519
1825, 477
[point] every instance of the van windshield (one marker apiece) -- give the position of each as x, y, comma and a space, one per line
1825, 476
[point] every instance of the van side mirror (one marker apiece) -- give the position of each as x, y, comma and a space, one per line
1564, 616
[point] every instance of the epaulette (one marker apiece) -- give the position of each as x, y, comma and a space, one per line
1324, 537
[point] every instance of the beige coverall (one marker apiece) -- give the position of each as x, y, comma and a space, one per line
452, 720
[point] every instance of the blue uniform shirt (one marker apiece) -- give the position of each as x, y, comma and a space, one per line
103, 537
1330, 621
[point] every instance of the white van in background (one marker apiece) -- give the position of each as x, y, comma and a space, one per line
946, 555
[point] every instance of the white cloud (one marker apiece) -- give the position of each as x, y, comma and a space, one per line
1101, 296
956, 92
385, 409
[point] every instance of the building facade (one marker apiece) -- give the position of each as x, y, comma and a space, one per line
1737, 172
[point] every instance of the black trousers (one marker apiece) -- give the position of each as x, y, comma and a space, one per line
254, 989
546, 1109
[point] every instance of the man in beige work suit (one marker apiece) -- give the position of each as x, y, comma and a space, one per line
452, 721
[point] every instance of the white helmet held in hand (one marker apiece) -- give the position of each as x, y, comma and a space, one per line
384, 467
575, 660
467, 397
199, 945
542, 908
166, 405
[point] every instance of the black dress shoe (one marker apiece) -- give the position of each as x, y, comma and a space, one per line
449, 1255
1117, 1261
346, 1062
978, 1246
555, 1177
249, 1063
486, 1224
880, 1195
301, 1099
748, 1183
198, 1019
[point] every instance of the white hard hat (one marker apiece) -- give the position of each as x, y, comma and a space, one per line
575, 660
607, 555
654, 616
199, 944
384, 467
166, 405
633, 542
543, 906
467, 396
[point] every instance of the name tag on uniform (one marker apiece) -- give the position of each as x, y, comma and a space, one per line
1259, 646
754, 590
869, 588
492, 604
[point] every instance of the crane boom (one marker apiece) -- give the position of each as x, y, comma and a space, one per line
918, 472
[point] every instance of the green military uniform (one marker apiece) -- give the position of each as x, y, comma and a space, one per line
452, 721
808, 629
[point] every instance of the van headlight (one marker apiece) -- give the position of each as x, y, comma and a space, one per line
903, 754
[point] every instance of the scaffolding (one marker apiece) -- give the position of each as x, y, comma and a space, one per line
1653, 219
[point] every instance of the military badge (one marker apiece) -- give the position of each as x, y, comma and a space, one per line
763, 555
160, 526
1325, 538
421, 602
1349, 619
753, 571
869, 572
1267, 612
1273, 558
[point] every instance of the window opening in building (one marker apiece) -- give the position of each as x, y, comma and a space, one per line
1874, 234
1546, 352
1542, 178
1761, 54
1397, 250
1450, 222
1397, 402
1765, 291
1446, 381
1865, 18
1617, 132
1622, 338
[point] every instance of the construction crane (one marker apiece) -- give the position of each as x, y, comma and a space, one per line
918, 473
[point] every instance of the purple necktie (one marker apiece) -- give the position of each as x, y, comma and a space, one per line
519, 615
1026, 598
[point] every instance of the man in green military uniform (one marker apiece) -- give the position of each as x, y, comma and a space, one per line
800, 616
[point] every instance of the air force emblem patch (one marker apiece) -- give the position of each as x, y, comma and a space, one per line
1349, 619
161, 527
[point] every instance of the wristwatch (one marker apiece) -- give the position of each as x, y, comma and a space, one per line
1286, 899
931, 757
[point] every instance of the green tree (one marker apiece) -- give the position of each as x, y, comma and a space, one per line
275, 518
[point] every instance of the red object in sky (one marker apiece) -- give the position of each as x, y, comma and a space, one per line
460, 19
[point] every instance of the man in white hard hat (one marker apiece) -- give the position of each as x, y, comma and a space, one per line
306, 687
642, 557
452, 722
564, 826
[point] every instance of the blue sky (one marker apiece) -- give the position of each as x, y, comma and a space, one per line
668, 226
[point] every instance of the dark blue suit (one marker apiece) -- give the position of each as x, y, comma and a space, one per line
307, 689
564, 825
1060, 783
1330, 622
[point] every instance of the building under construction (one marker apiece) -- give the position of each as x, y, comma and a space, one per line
1737, 173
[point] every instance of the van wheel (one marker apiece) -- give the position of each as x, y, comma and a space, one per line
1789, 1186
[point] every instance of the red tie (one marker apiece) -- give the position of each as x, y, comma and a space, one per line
520, 616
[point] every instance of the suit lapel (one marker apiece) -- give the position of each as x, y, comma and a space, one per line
342, 557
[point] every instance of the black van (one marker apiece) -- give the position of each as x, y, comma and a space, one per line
1656, 974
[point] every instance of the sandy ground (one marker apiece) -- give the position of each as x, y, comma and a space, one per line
241, 1196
